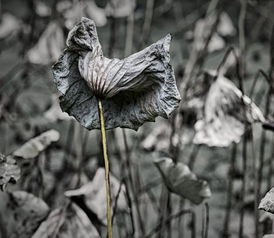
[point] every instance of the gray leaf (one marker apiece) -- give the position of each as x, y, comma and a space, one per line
36, 145
22, 213
94, 194
69, 222
267, 203
224, 114
133, 90
180, 180
9, 171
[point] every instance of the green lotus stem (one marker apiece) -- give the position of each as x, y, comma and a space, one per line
105, 154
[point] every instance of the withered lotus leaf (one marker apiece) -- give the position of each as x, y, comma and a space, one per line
180, 180
267, 203
132, 90
225, 112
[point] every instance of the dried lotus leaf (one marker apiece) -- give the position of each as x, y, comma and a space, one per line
21, 213
267, 203
67, 222
180, 180
225, 112
36, 145
133, 90
94, 194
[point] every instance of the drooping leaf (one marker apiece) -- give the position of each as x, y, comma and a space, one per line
180, 180
9, 24
9, 171
49, 46
225, 111
120, 8
133, 90
21, 213
36, 145
94, 194
70, 222
267, 203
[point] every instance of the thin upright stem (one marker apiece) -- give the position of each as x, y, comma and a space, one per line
230, 192
105, 154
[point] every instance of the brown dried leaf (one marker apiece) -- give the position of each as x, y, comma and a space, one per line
180, 180
9, 171
224, 114
36, 145
69, 222
22, 213
94, 194
133, 90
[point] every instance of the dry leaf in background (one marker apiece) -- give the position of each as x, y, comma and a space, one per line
267, 203
133, 90
69, 222
9, 171
94, 194
224, 114
73, 12
9, 24
203, 30
21, 213
120, 8
49, 46
180, 180
36, 145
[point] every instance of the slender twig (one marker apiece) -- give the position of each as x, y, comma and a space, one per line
116, 201
259, 168
240, 68
105, 154
135, 197
147, 22
229, 191
207, 220
129, 34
